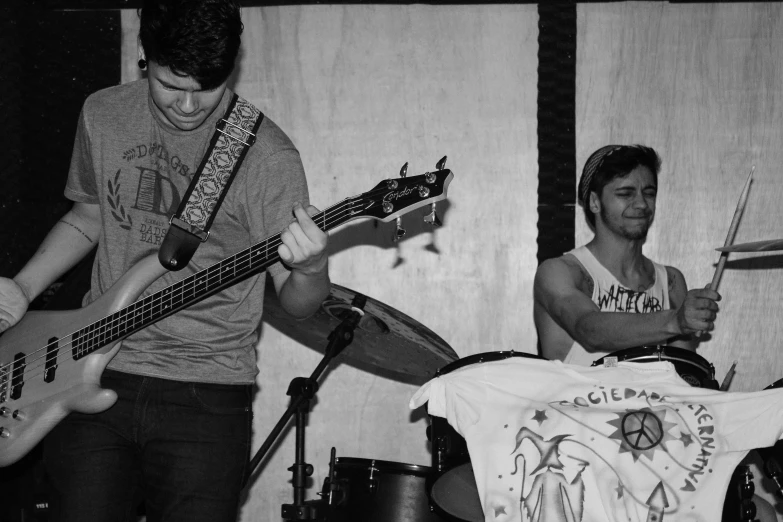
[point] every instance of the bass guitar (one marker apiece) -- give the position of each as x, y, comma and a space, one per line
51, 361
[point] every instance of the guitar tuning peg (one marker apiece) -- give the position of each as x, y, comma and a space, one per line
404, 170
441, 164
432, 218
399, 232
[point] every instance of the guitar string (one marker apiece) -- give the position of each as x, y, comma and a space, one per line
193, 280
101, 330
143, 306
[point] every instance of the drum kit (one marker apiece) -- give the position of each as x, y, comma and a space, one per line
390, 344
384, 342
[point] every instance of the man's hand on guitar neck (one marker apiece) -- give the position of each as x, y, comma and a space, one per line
304, 243
304, 251
13, 303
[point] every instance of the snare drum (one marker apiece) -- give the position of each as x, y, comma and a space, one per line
378, 490
452, 487
693, 368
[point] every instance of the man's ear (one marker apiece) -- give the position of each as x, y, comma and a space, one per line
594, 203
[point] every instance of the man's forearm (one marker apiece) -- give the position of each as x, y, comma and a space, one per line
69, 240
611, 331
302, 294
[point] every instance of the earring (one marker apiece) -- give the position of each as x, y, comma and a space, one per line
142, 64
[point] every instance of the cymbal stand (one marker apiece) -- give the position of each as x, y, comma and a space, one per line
302, 390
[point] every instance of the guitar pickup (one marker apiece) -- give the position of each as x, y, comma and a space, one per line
17, 375
51, 359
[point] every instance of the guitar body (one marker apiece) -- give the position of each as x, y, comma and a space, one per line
46, 395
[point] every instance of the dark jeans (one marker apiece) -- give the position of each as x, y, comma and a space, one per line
183, 448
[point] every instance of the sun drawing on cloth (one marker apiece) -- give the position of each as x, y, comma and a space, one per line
642, 431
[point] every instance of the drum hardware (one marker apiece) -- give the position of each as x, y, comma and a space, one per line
769, 456
386, 342
693, 368
771, 467
331, 479
742, 479
302, 390
441, 447
744, 488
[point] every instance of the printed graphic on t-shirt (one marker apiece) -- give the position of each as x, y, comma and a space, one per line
155, 196
620, 299
652, 454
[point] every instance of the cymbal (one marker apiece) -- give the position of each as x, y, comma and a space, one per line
386, 342
756, 246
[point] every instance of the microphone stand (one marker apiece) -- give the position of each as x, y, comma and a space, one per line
302, 390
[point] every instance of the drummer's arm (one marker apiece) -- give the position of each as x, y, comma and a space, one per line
678, 289
557, 291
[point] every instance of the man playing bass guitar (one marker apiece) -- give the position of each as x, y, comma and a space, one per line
178, 436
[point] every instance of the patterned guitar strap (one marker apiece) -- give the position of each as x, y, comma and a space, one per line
234, 134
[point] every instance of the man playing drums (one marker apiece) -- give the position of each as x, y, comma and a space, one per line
583, 298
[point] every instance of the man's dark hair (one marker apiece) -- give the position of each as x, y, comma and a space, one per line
611, 162
196, 38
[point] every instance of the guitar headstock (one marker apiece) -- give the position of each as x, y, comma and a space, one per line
395, 197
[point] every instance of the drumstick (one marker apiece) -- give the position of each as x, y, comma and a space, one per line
727, 379
732, 230
730, 236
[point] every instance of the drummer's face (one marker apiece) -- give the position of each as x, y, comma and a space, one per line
627, 204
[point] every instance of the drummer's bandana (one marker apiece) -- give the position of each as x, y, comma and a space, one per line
591, 166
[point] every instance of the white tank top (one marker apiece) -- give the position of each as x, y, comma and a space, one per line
611, 296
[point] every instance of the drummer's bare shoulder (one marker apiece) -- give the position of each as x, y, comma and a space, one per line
563, 273
562, 291
559, 283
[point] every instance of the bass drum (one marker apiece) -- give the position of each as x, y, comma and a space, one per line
377, 491
452, 487
693, 368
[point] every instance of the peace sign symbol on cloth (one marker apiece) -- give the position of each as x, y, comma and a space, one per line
642, 430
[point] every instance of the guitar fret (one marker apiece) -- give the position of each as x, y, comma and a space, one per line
145, 310
122, 322
90, 340
101, 331
113, 326
76, 343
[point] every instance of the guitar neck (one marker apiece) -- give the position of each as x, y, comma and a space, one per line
386, 201
195, 288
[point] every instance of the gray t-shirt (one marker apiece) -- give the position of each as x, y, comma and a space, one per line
138, 170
